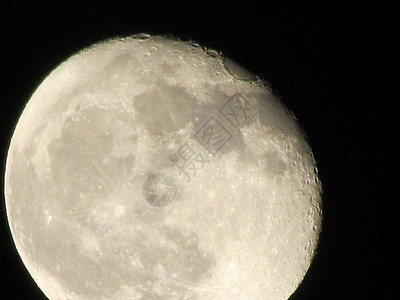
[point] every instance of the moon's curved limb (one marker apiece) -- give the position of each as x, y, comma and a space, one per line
238, 203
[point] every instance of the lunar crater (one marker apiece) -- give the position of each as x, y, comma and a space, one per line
244, 222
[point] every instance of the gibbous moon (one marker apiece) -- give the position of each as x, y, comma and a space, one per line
152, 168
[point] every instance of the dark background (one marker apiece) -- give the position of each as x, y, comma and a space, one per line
326, 60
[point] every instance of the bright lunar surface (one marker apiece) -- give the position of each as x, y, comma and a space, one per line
152, 168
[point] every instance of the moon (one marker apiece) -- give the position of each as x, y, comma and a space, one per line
149, 167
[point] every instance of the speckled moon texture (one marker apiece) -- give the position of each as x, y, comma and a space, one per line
152, 168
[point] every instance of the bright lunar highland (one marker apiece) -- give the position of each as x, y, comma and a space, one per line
152, 168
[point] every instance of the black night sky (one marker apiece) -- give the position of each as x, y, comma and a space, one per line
326, 62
